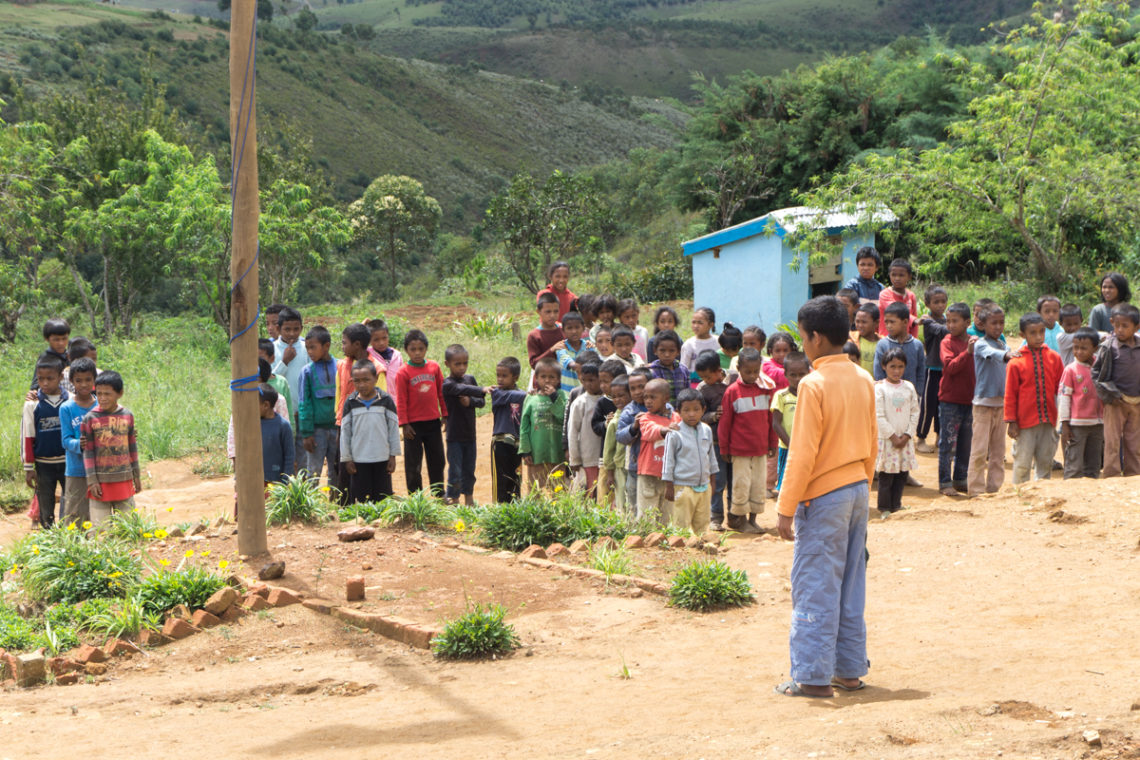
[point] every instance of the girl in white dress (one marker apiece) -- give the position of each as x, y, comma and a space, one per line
897, 409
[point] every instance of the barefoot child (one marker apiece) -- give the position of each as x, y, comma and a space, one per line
823, 508
955, 402
540, 428
110, 455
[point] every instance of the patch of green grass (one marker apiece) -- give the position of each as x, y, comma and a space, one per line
541, 519
123, 618
191, 586
704, 586
64, 564
298, 499
419, 510
134, 526
480, 632
610, 561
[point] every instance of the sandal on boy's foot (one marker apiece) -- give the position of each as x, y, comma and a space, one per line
836, 683
793, 689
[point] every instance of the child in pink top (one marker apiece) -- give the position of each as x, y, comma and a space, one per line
900, 273
1081, 411
382, 354
779, 345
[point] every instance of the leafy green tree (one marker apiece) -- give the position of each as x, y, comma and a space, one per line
539, 224
296, 236
395, 217
1047, 156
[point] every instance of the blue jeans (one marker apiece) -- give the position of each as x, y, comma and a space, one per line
829, 587
460, 468
327, 450
781, 462
716, 508
954, 443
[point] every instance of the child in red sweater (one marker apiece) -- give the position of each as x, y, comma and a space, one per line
654, 424
546, 339
955, 402
421, 411
1032, 378
900, 273
747, 439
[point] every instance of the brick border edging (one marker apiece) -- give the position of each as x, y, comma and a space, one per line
644, 584
395, 628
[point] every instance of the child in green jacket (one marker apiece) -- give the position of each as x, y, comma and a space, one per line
540, 428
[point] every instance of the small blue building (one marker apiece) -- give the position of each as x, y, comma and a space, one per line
745, 272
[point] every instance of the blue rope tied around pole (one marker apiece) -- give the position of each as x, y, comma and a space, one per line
249, 383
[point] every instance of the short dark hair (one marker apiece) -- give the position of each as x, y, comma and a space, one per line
983, 302
550, 270
1128, 311
868, 252
621, 381
1047, 298
1083, 333
1029, 318
642, 372
357, 333
266, 345
613, 367
454, 351
784, 337
1071, 310
707, 361
690, 394
110, 378
274, 308
962, 309
56, 326
583, 304
365, 364
600, 328
587, 355
827, 317
572, 316
621, 331
589, 368
871, 310
754, 330
901, 264
664, 310
375, 325
543, 299
798, 357
263, 370
78, 348
547, 363
710, 315
899, 310
849, 348
934, 290
51, 363
625, 305
267, 393
667, 335
80, 366
511, 364
849, 294
320, 334
605, 302
892, 354
748, 355
413, 335
730, 338
288, 314
1120, 281
991, 309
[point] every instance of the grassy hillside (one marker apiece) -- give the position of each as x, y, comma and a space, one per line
461, 131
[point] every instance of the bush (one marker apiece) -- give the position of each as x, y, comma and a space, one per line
159, 592
419, 510
134, 526
481, 632
64, 565
540, 519
668, 279
704, 586
124, 617
58, 629
298, 499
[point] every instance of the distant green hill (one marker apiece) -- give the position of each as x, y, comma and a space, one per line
462, 132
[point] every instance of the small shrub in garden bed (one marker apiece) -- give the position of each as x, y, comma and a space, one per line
123, 617
59, 628
611, 561
541, 519
191, 586
366, 511
63, 564
419, 510
134, 526
704, 586
298, 499
480, 632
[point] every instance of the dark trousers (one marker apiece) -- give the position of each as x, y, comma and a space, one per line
460, 468
372, 482
1084, 453
723, 489
928, 400
505, 464
427, 443
890, 490
954, 443
48, 476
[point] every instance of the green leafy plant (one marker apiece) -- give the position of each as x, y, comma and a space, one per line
365, 511
191, 586
704, 586
480, 632
126, 617
298, 499
419, 510
538, 518
133, 526
64, 565
611, 561
213, 464
486, 325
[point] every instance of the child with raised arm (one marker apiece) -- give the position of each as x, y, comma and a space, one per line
540, 428
506, 409
823, 508
933, 325
316, 408
423, 412
867, 261
1118, 363
1081, 411
110, 454
613, 473
462, 395
44, 457
955, 402
784, 408
585, 446
897, 410
369, 436
689, 468
572, 344
987, 449
652, 497
1031, 381
713, 385
544, 340
900, 274
748, 440
75, 503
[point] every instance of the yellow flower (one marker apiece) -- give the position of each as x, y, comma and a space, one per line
86, 525
223, 565
557, 489
164, 562
556, 474
35, 550
116, 574
205, 553
70, 563
325, 489
160, 533
71, 526
460, 526
148, 535
170, 509
189, 553
15, 568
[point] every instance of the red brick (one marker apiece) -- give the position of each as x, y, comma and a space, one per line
281, 597
149, 638
605, 542
221, 600
654, 539
88, 653
354, 588
95, 668
579, 546
633, 542
554, 550
693, 542
323, 606
204, 619
60, 665
534, 551
67, 679
260, 589
179, 611
233, 614
254, 603
177, 628
117, 648
677, 542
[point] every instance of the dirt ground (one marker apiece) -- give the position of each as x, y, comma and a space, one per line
1002, 626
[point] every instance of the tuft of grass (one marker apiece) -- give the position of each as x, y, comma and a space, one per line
704, 586
486, 325
538, 518
611, 561
213, 464
298, 499
480, 632
134, 526
126, 617
191, 586
419, 510
64, 564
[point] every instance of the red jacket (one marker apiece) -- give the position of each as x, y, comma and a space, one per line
540, 342
888, 297
420, 393
957, 386
1031, 382
745, 428
653, 428
565, 298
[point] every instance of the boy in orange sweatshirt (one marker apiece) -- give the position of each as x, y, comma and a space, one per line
823, 507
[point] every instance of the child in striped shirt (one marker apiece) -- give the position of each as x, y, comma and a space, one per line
110, 454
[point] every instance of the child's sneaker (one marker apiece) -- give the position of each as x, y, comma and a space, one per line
922, 447
716, 526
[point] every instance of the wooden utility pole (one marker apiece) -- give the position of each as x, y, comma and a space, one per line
243, 275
